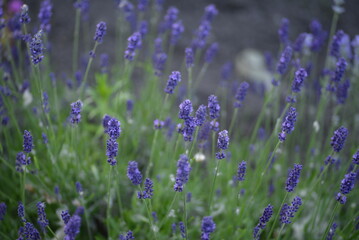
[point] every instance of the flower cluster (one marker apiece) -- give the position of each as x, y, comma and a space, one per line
133, 173
267, 214
293, 178
182, 174
148, 192
172, 82
288, 124
100, 32
241, 94
208, 226
222, 144
287, 211
339, 138
75, 114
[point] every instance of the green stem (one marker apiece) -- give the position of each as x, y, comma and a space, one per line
276, 216
83, 84
280, 232
149, 216
189, 89
330, 221
76, 40
185, 215
213, 185
108, 203
234, 116
52, 232
168, 211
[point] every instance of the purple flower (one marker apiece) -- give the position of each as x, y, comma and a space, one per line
105, 121
79, 188
342, 199
134, 42
36, 48
331, 232
319, 36
182, 229
335, 46
338, 139
45, 14
143, 29
21, 211
133, 173
111, 151
142, 5
189, 57
170, 18
129, 13
211, 53
104, 62
129, 106
114, 128
300, 76
209, 13
29, 232
284, 60
189, 127
299, 42
128, 236
158, 124
28, 143
201, 115
65, 216
241, 94
287, 211
185, 109
241, 172
267, 214
293, 178
214, 125
340, 70
201, 35
347, 183
288, 123
356, 158
2, 211
42, 220
342, 91
148, 192
208, 226
226, 70
283, 31
159, 61
75, 115
24, 15
182, 175
177, 30
213, 107
100, 32
172, 82
223, 140
72, 228
45, 101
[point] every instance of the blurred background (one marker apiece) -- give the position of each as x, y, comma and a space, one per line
244, 29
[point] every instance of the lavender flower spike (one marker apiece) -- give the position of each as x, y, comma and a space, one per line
213, 107
222, 144
208, 226
28, 143
172, 82
338, 139
28, 231
356, 158
241, 94
177, 30
36, 48
185, 109
287, 211
24, 15
129, 236
300, 76
348, 182
148, 192
75, 115
2, 210
134, 42
284, 60
267, 214
242, 167
182, 175
42, 220
114, 128
211, 53
201, 115
288, 124
293, 178
72, 228
45, 15
283, 31
189, 58
133, 173
100, 32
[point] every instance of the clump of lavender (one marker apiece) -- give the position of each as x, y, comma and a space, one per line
208, 226
211, 53
177, 30
288, 123
133, 173
213, 107
134, 42
267, 214
148, 191
2, 210
356, 158
28, 143
189, 57
287, 212
293, 178
128, 236
284, 60
339, 138
100, 32
113, 128
24, 15
283, 31
75, 115
222, 144
172, 82
42, 219
36, 48
241, 94
72, 228
300, 76
185, 109
45, 14
28, 231
241, 172
201, 114
182, 175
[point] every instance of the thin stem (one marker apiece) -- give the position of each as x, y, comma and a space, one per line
52, 232
185, 214
76, 40
213, 185
108, 203
330, 221
149, 216
280, 232
168, 211
83, 84
277, 215
189, 83
234, 116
